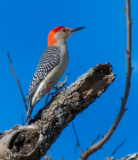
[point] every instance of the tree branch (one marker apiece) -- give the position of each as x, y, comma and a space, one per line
31, 142
18, 82
99, 145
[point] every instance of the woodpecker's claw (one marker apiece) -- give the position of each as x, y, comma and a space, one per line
61, 85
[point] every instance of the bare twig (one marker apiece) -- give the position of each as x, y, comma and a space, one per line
78, 143
99, 145
117, 148
61, 157
18, 82
96, 139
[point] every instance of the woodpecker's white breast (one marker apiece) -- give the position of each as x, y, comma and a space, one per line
56, 73
53, 76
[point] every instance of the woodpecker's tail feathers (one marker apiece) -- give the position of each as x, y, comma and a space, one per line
30, 110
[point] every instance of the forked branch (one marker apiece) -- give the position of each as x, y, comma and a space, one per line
99, 145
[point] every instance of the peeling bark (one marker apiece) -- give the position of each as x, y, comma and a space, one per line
31, 142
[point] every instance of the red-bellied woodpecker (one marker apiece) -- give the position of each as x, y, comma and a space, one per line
52, 65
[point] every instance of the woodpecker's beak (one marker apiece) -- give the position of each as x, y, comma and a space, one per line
76, 29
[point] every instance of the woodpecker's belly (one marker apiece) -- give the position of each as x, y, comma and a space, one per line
52, 77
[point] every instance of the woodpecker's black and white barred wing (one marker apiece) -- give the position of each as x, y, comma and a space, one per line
49, 59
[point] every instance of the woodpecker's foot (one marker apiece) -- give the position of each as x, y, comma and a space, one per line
61, 85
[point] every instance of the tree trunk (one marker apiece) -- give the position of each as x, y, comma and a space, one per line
31, 142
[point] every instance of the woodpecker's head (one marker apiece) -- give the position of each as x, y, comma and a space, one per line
60, 35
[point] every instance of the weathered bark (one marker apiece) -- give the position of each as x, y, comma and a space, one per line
128, 157
31, 142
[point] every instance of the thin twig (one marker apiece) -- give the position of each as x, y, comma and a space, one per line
96, 139
78, 143
61, 157
99, 145
18, 82
117, 148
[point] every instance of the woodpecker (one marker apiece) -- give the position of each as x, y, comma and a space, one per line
51, 67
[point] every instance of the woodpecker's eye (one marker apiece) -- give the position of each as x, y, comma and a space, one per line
64, 30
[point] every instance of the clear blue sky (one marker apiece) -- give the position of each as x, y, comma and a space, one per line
24, 26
